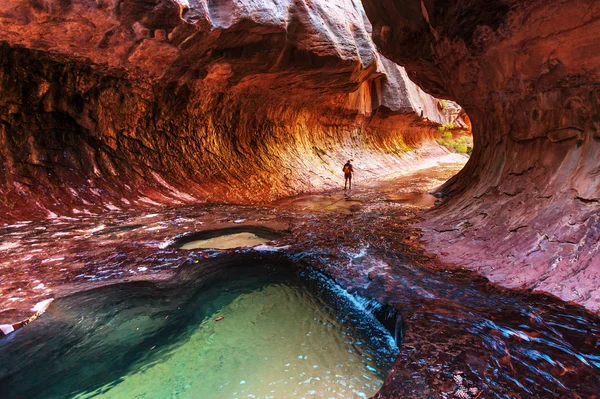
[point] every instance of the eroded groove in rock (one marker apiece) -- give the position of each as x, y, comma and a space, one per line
527, 73
110, 105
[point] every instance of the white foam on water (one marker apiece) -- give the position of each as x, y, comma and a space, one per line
270, 248
42, 306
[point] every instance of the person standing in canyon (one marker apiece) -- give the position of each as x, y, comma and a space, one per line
348, 171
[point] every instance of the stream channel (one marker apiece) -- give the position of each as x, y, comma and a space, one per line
315, 296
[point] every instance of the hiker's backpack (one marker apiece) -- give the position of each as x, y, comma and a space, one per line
346, 169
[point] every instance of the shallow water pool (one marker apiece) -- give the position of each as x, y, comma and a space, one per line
225, 238
285, 333
227, 242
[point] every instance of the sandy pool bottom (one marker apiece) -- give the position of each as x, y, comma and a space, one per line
278, 341
227, 241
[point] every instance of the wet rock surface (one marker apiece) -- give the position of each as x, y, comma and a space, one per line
39, 257
524, 209
500, 342
110, 109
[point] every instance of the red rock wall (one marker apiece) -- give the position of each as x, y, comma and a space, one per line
77, 137
110, 104
524, 211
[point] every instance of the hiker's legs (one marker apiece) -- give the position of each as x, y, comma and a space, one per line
350, 182
345, 182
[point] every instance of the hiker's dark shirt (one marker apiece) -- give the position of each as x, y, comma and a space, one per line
348, 174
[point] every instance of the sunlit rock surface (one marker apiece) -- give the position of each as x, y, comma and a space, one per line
525, 209
109, 105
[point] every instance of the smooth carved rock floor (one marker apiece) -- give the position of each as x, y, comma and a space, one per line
455, 322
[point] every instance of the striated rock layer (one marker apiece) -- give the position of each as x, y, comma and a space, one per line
112, 104
525, 210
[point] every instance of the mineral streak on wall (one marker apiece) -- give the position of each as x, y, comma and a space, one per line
525, 210
113, 104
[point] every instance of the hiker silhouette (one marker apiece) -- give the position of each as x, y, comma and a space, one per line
348, 171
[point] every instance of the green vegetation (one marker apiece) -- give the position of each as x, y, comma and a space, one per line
461, 145
446, 127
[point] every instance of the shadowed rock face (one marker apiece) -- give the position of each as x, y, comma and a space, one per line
111, 104
524, 211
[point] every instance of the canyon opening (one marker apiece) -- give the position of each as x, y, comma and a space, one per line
299, 199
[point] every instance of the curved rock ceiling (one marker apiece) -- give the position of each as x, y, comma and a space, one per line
525, 210
111, 104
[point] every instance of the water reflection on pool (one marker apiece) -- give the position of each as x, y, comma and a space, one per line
283, 334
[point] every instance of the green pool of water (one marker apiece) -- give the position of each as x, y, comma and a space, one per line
284, 334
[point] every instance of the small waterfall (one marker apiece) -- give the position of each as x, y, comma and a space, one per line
389, 317
386, 315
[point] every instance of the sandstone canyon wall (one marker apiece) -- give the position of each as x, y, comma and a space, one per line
525, 210
113, 104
